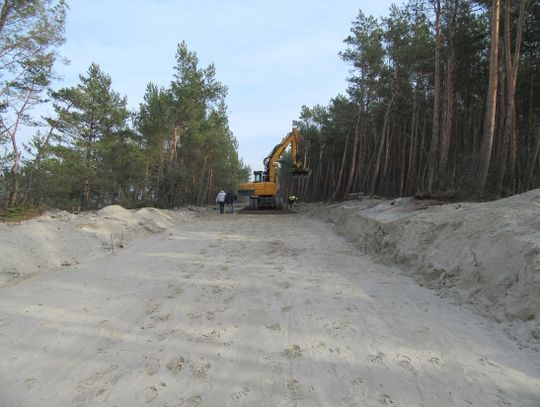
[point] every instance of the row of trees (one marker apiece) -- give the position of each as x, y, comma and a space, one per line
444, 98
177, 149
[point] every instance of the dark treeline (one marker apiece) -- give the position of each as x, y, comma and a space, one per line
176, 150
444, 99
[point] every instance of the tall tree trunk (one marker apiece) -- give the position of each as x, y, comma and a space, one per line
7, 7
318, 188
171, 165
13, 194
491, 101
39, 156
146, 181
512, 64
432, 163
341, 169
509, 147
530, 182
382, 143
360, 161
352, 170
14, 172
210, 185
413, 147
201, 188
403, 170
386, 161
449, 95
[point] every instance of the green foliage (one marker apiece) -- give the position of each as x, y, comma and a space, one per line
20, 212
365, 52
91, 121
388, 118
179, 151
189, 150
30, 33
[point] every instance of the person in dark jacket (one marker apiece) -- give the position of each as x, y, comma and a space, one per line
229, 201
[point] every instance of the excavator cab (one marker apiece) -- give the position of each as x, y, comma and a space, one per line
259, 176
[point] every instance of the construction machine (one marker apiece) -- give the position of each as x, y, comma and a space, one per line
263, 191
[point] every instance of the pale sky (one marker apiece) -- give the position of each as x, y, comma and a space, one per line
274, 56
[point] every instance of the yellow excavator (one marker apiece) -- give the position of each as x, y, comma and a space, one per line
263, 191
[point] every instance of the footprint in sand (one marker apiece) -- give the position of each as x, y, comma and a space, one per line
151, 365
274, 327
294, 388
405, 362
194, 401
293, 352
357, 381
150, 308
356, 394
200, 370
149, 394
387, 400
97, 376
30, 382
176, 364
377, 359
237, 395
435, 361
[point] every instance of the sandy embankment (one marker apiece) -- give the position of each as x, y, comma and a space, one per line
485, 255
60, 239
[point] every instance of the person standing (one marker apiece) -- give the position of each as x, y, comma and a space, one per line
221, 200
292, 199
229, 201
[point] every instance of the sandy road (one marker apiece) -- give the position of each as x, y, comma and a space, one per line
249, 310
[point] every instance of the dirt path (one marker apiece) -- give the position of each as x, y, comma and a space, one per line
248, 310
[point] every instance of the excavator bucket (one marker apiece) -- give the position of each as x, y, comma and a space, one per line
301, 173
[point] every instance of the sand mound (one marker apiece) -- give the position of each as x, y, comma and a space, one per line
486, 255
60, 239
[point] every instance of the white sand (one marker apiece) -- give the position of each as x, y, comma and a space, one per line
251, 310
62, 239
486, 255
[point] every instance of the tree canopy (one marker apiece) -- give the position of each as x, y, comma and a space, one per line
423, 114
177, 149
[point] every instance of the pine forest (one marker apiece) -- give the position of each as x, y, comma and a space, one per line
443, 99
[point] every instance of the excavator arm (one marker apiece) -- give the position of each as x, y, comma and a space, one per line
270, 162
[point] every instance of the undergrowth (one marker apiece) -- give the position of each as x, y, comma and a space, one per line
20, 212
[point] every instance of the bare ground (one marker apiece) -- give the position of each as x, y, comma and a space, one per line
247, 310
